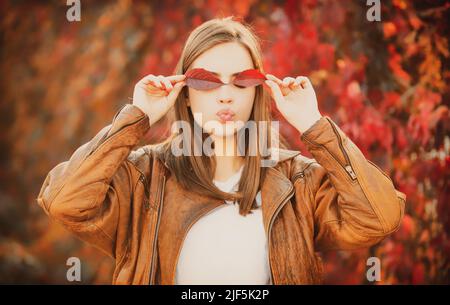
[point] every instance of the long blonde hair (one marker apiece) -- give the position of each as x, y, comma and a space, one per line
196, 172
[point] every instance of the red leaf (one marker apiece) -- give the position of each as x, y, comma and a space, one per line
202, 79
248, 78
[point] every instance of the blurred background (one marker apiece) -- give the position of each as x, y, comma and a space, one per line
384, 83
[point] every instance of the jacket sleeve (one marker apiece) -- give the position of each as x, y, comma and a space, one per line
91, 192
355, 204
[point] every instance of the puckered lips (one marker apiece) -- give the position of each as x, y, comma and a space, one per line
225, 115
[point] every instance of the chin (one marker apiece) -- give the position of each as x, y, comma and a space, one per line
224, 129
223, 133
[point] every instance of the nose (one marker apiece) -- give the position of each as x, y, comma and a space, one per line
225, 100
225, 94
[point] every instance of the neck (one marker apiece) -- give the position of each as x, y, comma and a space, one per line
228, 162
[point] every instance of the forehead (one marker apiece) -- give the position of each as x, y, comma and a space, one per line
225, 59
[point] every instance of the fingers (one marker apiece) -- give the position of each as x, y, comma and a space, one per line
303, 81
158, 80
300, 81
280, 88
165, 82
176, 90
152, 84
290, 82
274, 78
176, 78
275, 89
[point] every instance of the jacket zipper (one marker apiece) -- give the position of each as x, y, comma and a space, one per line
348, 166
161, 200
302, 173
270, 228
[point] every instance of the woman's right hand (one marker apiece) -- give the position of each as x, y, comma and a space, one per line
155, 95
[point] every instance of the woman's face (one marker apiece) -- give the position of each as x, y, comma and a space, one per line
224, 60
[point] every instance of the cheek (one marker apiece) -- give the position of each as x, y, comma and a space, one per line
245, 105
201, 102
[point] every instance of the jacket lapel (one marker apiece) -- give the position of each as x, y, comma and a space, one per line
276, 188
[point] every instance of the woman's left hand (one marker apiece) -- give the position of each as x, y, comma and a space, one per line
295, 99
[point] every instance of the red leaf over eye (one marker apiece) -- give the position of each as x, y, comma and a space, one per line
201, 79
248, 78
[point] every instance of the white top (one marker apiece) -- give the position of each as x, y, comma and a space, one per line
224, 247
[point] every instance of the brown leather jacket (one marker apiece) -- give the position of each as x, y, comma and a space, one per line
126, 203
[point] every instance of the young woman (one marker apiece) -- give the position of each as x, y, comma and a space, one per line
221, 218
